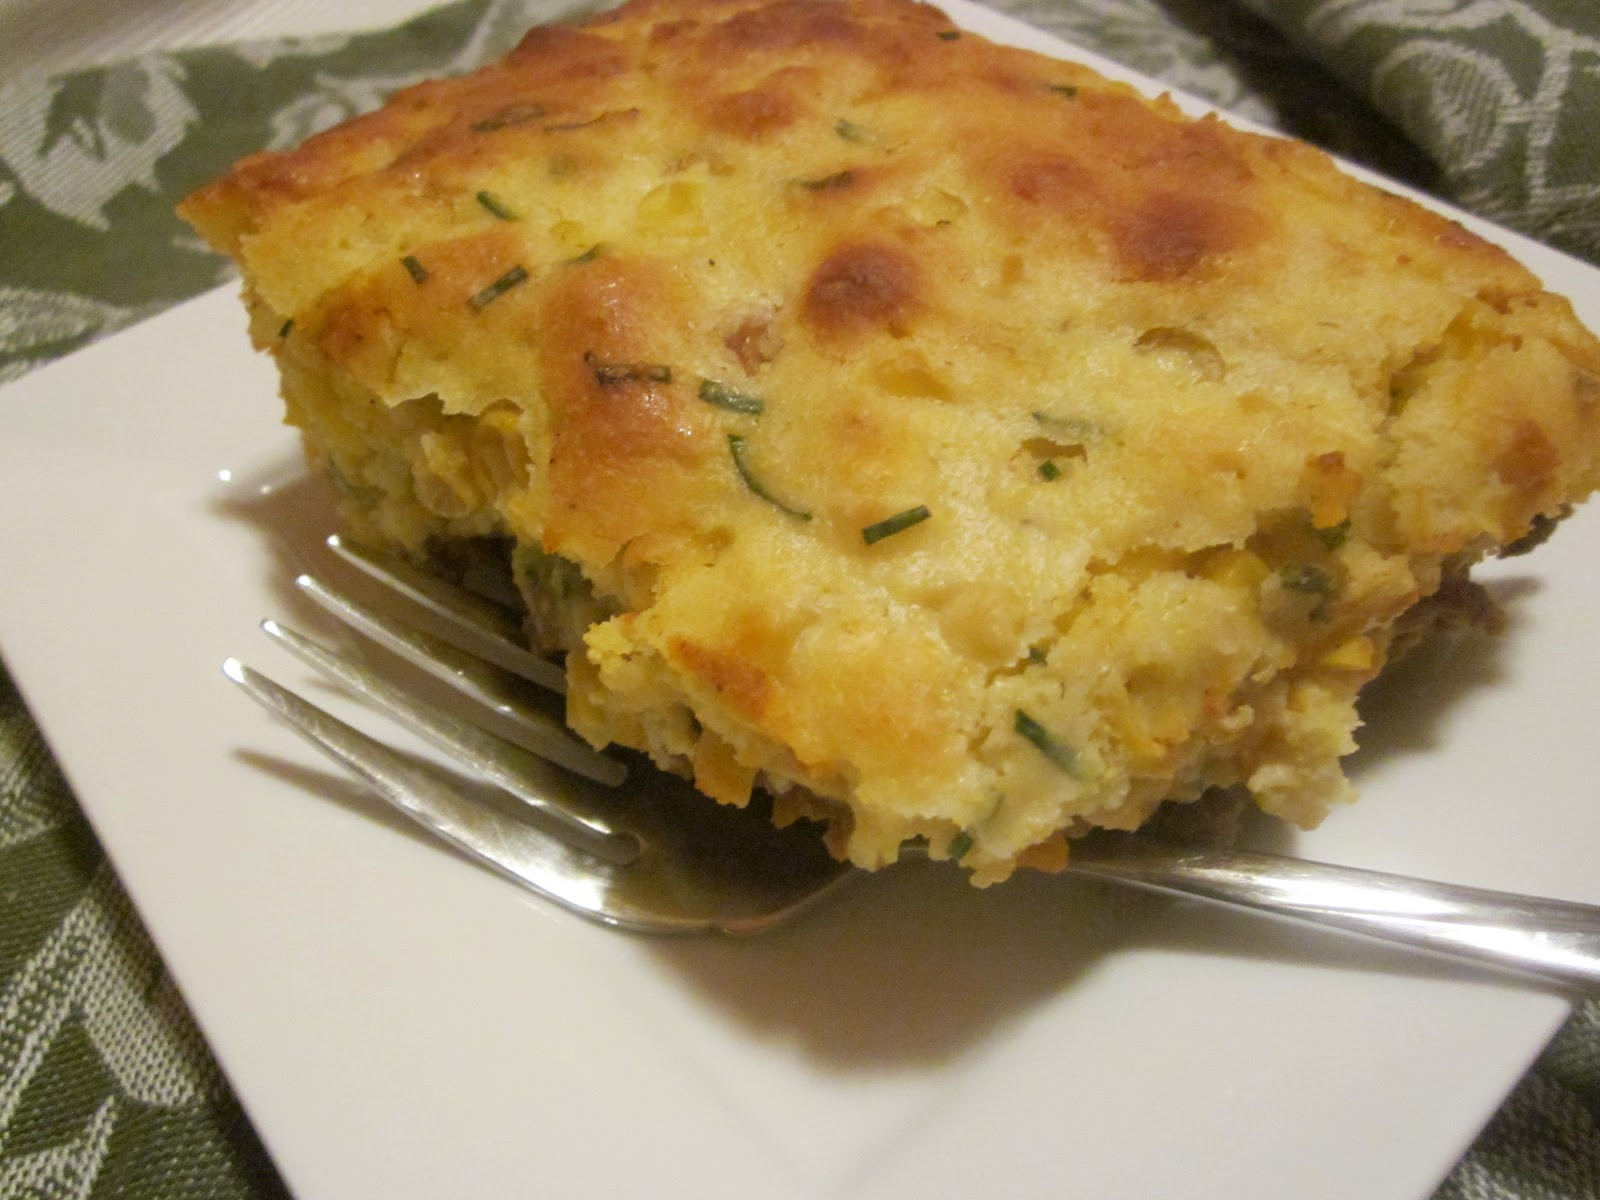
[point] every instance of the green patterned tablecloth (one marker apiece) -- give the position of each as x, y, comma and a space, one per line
106, 1088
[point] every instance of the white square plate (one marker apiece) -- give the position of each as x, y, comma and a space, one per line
401, 1024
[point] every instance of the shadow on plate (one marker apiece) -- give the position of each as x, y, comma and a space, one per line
913, 966
912, 969
1405, 709
295, 512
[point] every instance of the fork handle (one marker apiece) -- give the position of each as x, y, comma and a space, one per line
1554, 940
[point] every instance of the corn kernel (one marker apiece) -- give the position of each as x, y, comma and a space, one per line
1357, 654
673, 209
1236, 568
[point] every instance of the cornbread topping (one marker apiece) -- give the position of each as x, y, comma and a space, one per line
951, 441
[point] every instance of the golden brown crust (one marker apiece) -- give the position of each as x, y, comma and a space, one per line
940, 430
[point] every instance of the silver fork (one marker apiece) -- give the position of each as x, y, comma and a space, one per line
621, 843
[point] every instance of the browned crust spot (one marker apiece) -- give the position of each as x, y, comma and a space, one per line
1528, 461
862, 288
752, 115
734, 679
619, 439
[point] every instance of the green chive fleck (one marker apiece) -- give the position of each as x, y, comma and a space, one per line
827, 183
285, 328
949, 35
512, 278
852, 132
1071, 429
1059, 753
569, 126
514, 114
495, 208
589, 255
1334, 535
415, 269
723, 396
611, 374
1049, 471
890, 526
960, 845
1065, 89
736, 447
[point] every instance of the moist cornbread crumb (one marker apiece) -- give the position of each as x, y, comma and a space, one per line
943, 437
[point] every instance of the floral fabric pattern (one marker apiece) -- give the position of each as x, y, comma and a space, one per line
1502, 95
